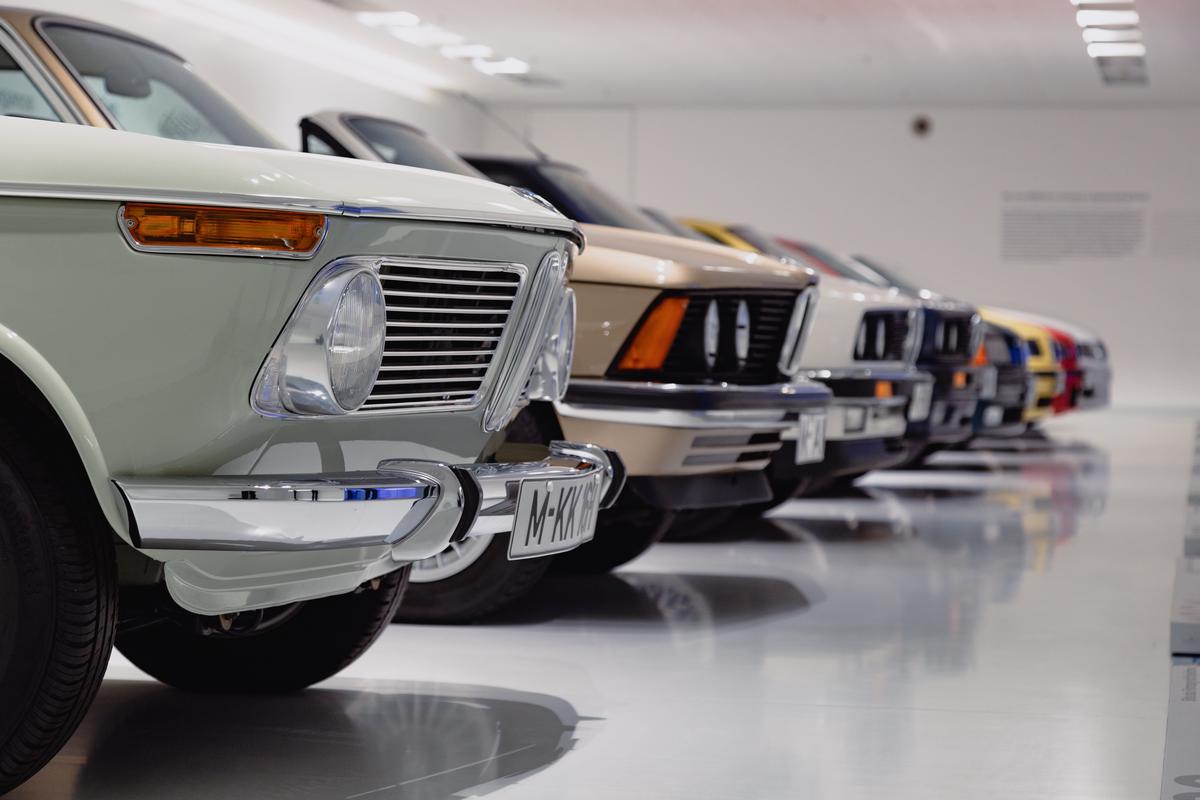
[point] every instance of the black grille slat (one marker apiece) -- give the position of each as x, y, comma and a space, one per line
444, 325
882, 336
770, 313
948, 336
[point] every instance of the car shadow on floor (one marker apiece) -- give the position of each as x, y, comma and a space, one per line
143, 739
658, 600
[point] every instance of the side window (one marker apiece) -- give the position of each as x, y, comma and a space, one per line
19, 97
315, 144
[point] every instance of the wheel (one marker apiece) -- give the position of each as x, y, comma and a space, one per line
468, 580
623, 533
58, 600
275, 650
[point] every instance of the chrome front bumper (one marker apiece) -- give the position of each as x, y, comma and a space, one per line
239, 542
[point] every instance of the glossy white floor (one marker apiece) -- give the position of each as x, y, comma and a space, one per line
992, 627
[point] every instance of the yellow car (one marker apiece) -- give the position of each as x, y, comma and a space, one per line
719, 233
1048, 376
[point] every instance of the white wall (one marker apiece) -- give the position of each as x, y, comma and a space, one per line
279, 60
860, 181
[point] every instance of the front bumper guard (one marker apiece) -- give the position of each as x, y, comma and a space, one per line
415, 508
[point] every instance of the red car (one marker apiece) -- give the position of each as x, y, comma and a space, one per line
1068, 359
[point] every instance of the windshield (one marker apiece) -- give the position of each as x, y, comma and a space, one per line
765, 243
147, 90
587, 202
871, 266
400, 144
674, 226
837, 265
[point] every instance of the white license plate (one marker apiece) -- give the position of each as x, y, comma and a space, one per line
810, 439
554, 516
989, 381
918, 405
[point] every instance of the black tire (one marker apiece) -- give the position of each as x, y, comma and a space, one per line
623, 533
58, 598
489, 584
308, 642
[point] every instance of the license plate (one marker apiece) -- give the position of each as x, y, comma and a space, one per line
810, 439
988, 381
918, 406
554, 516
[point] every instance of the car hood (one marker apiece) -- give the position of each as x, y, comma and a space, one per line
865, 294
63, 160
638, 258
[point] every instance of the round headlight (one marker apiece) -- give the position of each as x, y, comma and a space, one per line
354, 347
741, 333
712, 333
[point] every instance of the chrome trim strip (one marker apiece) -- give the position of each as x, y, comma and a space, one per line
410, 506
301, 255
759, 419
529, 222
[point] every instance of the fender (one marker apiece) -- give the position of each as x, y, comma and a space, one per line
70, 413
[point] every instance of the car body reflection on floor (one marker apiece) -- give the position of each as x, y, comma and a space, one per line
418, 741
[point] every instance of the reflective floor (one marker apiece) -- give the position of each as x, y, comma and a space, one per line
994, 626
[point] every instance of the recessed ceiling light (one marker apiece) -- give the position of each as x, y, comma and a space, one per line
1116, 50
1092, 17
1111, 35
467, 51
502, 66
387, 19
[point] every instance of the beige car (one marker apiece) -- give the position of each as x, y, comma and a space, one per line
685, 362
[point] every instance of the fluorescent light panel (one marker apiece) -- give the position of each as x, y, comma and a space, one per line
1091, 35
1116, 50
1092, 17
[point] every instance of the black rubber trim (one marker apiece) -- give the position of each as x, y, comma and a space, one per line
842, 457
617, 484
472, 501
135, 536
621, 394
681, 492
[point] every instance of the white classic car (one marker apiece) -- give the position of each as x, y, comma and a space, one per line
246, 390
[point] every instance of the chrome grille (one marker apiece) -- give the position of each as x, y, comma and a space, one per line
445, 323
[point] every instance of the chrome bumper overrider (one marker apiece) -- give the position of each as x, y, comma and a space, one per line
414, 507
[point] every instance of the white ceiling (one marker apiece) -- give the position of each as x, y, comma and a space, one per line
853, 52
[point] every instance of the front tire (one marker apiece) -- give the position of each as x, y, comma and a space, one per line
277, 650
58, 601
623, 533
469, 580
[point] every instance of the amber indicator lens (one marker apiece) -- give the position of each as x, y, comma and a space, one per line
883, 389
656, 335
980, 357
169, 227
960, 380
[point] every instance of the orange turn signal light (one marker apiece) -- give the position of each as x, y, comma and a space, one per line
244, 231
980, 359
883, 389
654, 338
960, 380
